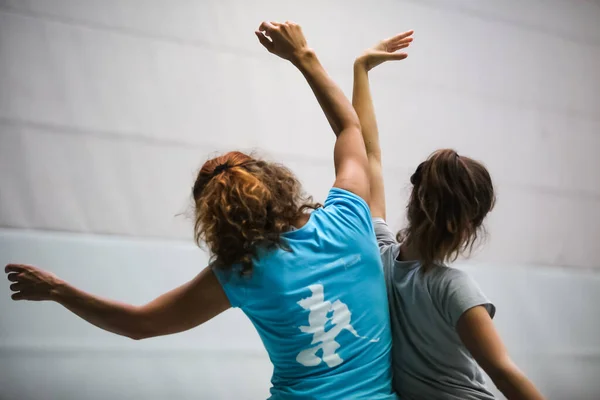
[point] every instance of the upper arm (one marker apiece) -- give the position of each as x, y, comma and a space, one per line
351, 165
383, 233
457, 293
479, 335
186, 306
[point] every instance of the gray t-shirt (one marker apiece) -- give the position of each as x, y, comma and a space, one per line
429, 359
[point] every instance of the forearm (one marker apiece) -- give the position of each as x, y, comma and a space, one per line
120, 318
335, 105
514, 385
363, 104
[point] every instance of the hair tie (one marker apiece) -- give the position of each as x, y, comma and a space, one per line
415, 179
220, 168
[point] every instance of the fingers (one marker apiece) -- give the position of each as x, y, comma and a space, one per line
264, 33
29, 296
267, 27
401, 36
397, 40
405, 40
18, 296
16, 272
265, 41
15, 276
17, 287
396, 56
394, 48
28, 283
15, 268
25, 291
397, 44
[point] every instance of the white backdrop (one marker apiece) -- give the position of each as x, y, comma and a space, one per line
107, 108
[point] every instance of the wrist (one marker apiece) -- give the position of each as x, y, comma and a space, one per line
59, 291
360, 61
303, 58
361, 64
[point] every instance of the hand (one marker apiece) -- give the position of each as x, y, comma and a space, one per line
31, 283
385, 50
284, 40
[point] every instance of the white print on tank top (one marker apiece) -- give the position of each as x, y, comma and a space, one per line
318, 316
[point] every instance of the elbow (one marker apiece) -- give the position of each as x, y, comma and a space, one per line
144, 331
355, 125
348, 125
141, 327
141, 335
374, 155
137, 336
502, 372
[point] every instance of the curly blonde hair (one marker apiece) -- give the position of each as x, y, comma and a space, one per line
243, 204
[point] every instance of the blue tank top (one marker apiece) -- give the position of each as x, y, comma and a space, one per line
321, 308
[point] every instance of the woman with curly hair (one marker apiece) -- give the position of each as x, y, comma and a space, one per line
310, 282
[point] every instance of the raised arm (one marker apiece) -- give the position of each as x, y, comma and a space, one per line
183, 308
287, 41
363, 104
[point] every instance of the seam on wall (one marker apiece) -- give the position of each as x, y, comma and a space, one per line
68, 234
515, 104
466, 11
130, 136
260, 55
100, 350
190, 245
582, 269
127, 31
133, 347
490, 17
46, 128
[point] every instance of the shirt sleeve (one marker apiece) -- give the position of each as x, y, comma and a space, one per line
383, 233
232, 286
350, 208
388, 247
460, 293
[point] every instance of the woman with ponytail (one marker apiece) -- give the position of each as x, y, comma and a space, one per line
442, 325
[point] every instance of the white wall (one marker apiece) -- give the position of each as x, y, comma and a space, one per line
108, 107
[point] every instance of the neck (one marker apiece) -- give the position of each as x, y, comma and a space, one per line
301, 221
408, 253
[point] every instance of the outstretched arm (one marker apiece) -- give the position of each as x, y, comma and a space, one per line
363, 104
287, 41
479, 335
183, 308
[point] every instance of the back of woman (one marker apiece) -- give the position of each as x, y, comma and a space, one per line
442, 328
311, 283
309, 305
450, 198
430, 359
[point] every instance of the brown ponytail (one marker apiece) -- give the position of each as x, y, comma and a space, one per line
243, 204
450, 198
